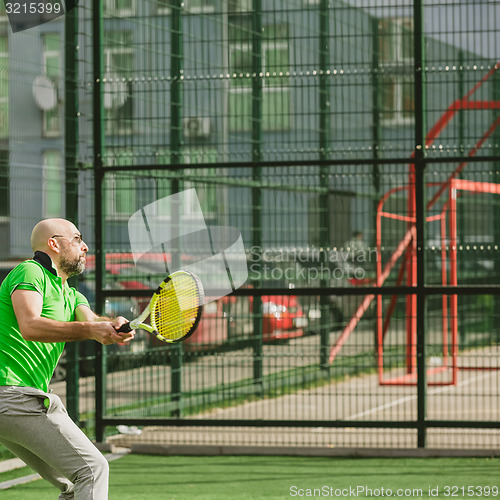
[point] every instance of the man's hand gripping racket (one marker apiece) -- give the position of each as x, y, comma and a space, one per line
175, 308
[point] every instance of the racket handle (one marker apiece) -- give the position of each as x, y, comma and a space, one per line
125, 328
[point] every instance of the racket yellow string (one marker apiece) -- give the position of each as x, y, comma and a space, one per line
176, 308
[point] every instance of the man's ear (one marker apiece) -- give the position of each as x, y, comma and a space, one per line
53, 244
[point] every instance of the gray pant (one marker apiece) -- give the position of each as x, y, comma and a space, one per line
36, 427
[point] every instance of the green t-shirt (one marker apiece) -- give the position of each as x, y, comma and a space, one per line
28, 363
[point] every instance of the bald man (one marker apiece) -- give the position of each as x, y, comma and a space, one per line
39, 312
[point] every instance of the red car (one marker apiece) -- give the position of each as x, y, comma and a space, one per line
283, 317
225, 320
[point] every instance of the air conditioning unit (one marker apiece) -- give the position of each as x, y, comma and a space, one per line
196, 127
45, 92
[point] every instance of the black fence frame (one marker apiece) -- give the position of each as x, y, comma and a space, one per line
421, 290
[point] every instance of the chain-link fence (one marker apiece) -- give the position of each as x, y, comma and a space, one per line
354, 147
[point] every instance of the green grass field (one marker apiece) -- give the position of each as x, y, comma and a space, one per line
139, 477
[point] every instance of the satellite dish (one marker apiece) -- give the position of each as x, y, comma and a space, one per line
44, 92
115, 91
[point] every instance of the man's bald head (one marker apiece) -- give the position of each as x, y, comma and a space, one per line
47, 228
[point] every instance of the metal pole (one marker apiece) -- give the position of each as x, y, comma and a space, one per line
420, 213
176, 157
257, 177
98, 139
71, 181
375, 105
324, 137
376, 110
461, 212
495, 327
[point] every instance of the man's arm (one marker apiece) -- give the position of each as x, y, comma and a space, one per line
84, 313
28, 308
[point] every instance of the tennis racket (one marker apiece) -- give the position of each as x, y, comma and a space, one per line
174, 309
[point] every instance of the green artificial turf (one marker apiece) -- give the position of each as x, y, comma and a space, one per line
140, 477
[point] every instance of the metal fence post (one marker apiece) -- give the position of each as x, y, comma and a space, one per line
376, 114
176, 351
420, 109
257, 176
324, 138
495, 327
98, 139
176, 158
376, 109
71, 181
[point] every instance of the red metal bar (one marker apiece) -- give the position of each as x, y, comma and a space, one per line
453, 278
350, 327
435, 131
485, 77
410, 257
394, 298
462, 165
444, 281
457, 105
368, 299
411, 280
379, 334
411, 378
472, 105
476, 187
405, 218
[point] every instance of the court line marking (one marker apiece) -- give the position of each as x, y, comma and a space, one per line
413, 397
11, 464
34, 477
20, 480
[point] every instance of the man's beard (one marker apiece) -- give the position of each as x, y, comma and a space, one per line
71, 267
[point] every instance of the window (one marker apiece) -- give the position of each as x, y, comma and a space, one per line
53, 184
119, 8
118, 68
395, 51
206, 193
163, 185
235, 6
120, 187
275, 68
127, 192
4, 87
120, 195
52, 67
189, 6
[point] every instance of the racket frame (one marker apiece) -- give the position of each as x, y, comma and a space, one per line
139, 321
